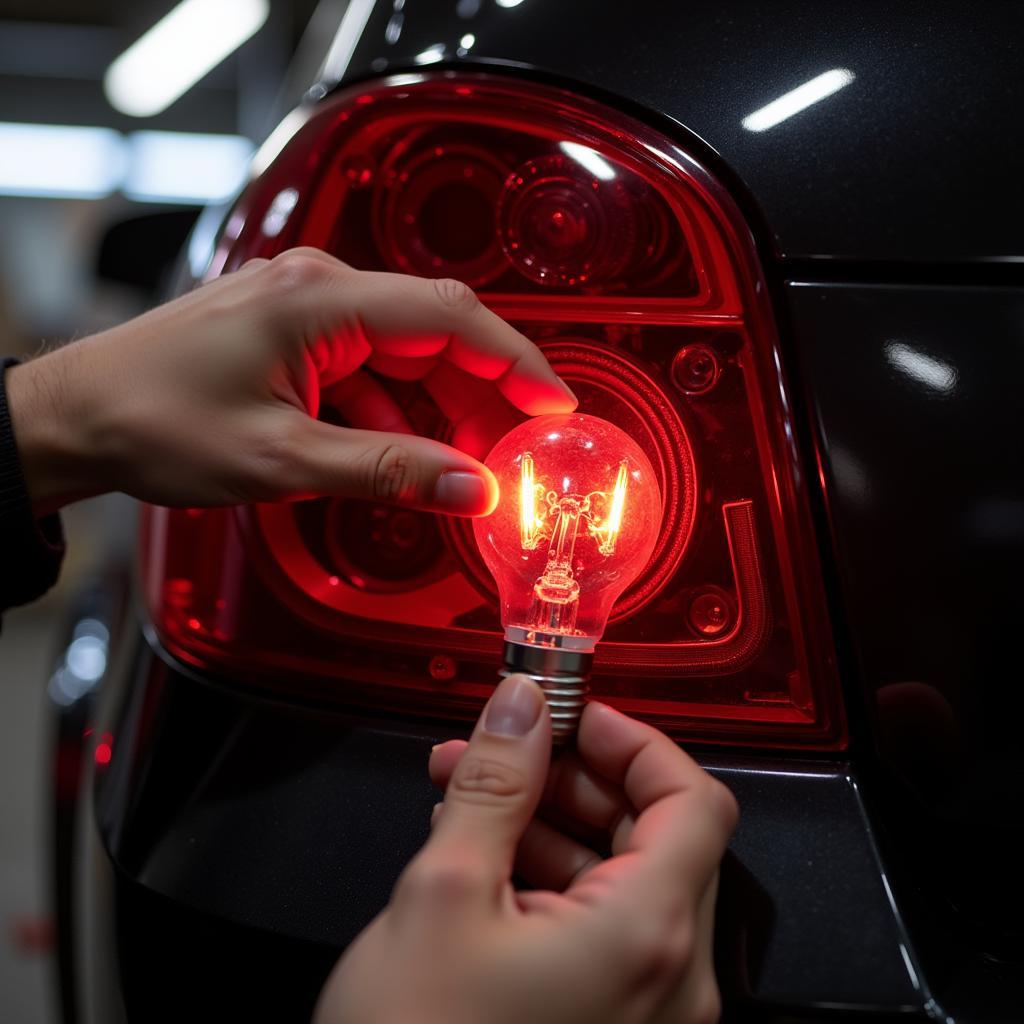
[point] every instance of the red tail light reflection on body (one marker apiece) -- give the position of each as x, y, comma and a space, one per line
631, 268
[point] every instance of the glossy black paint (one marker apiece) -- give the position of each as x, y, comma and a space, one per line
917, 398
293, 822
920, 158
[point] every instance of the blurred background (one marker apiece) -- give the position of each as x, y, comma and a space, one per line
119, 121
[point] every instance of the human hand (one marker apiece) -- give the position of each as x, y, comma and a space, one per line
622, 940
211, 399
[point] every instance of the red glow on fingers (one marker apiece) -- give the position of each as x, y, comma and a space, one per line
493, 492
401, 367
310, 390
478, 434
537, 397
395, 341
470, 356
472, 491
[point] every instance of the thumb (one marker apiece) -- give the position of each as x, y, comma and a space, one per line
400, 469
494, 790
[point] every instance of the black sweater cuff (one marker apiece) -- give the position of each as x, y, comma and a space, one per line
31, 550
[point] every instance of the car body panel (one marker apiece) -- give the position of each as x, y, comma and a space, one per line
917, 401
296, 821
920, 158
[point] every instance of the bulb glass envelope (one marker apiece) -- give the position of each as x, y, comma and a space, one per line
577, 520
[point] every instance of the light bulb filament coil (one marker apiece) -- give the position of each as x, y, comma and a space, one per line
609, 531
546, 515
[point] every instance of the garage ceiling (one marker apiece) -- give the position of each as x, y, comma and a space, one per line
53, 54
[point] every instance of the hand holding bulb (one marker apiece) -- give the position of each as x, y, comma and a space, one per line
578, 518
594, 941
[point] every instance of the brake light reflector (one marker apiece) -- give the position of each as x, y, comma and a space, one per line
631, 268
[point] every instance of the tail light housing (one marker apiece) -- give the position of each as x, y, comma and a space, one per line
629, 265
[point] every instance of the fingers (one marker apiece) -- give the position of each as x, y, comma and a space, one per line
620, 765
364, 403
416, 317
410, 318
402, 367
549, 859
443, 759
395, 468
490, 800
479, 417
695, 995
546, 858
684, 816
645, 762
575, 791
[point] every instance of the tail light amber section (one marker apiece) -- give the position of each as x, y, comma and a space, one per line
629, 265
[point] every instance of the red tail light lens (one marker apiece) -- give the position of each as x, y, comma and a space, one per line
629, 265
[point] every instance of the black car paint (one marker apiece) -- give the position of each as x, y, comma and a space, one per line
926, 499
874, 212
919, 159
295, 822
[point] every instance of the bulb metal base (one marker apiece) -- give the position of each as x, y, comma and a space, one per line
564, 676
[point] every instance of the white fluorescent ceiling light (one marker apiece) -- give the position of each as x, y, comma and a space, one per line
180, 167
63, 161
60, 160
179, 50
800, 98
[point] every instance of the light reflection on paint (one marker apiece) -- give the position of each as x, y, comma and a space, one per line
798, 99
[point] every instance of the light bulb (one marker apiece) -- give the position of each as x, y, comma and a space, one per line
578, 517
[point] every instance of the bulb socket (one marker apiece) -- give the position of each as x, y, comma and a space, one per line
563, 675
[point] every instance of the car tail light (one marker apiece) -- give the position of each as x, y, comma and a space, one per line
629, 265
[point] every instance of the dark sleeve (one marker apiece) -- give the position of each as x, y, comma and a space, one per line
31, 549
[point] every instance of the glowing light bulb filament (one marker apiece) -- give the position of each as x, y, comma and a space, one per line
557, 590
547, 515
530, 524
613, 524
563, 542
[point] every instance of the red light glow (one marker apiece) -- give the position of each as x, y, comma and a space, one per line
626, 261
579, 517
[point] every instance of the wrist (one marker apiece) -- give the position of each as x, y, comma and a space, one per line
51, 429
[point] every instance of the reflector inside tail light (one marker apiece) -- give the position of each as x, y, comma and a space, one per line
627, 263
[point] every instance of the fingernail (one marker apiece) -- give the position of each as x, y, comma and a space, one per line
436, 813
459, 491
569, 392
514, 708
